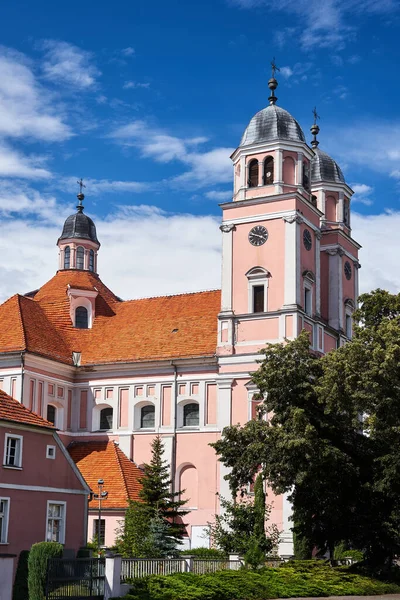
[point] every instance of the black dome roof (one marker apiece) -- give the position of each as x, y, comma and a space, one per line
324, 168
79, 226
272, 123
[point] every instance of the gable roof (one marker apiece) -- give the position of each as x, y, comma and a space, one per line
166, 327
105, 460
13, 411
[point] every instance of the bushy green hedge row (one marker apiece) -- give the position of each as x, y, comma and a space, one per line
282, 582
37, 566
205, 553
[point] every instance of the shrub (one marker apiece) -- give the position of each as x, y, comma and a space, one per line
37, 567
315, 578
20, 588
205, 553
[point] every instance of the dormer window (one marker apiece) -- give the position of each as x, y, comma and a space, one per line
81, 318
91, 260
67, 257
253, 173
80, 257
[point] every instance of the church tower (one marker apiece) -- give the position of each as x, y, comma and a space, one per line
288, 261
78, 244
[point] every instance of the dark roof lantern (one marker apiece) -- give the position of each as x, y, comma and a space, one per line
79, 226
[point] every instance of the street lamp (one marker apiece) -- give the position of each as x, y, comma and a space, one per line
102, 495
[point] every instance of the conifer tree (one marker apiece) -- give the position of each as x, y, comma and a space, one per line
157, 494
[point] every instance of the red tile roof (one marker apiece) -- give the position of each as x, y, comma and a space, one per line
12, 410
181, 326
105, 460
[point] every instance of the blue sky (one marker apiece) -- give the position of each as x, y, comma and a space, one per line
146, 100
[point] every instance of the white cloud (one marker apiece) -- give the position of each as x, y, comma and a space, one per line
103, 186
68, 64
207, 167
131, 85
286, 72
15, 164
326, 24
362, 193
129, 51
178, 253
26, 108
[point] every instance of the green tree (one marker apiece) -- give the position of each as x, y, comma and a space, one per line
156, 492
234, 529
333, 441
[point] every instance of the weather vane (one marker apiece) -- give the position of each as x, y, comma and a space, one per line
316, 115
274, 67
81, 185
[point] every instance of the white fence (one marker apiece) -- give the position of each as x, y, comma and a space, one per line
133, 568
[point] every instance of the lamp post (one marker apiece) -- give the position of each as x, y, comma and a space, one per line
102, 495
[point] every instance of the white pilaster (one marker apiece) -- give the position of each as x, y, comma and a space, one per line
224, 418
299, 169
292, 260
318, 273
278, 170
340, 215
321, 202
357, 266
335, 288
227, 251
286, 539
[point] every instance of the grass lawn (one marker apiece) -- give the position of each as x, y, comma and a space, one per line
311, 578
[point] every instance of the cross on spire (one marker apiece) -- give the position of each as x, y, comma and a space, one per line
316, 115
81, 185
81, 195
274, 68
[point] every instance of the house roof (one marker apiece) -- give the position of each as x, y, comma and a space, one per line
14, 411
181, 326
105, 460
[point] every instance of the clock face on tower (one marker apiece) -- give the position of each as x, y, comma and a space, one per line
347, 269
258, 235
307, 239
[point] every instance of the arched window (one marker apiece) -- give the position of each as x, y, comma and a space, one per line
51, 413
147, 417
91, 260
268, 170
253, 174
106, 418
306, 176
81, 318
80, 257
191, 415
67, 257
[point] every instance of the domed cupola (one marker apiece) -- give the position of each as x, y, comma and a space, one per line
78, 242
323, 167
273, 156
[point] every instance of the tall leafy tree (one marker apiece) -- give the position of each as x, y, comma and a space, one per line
333, 441
157, 494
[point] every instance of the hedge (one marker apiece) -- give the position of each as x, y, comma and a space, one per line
37, 567
304, 580
20, 588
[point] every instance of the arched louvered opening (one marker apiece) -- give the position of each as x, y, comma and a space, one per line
306, 176
253, 174
268, 175
81, 318
51, 413
80, 257
91, 260
67, 257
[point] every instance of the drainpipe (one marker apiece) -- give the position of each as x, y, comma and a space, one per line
173, 457
22, 376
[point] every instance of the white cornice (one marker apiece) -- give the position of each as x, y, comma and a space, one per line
270, 199
289, 146
330, 186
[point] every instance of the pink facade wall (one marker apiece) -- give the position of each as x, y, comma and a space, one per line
211, 404
267, 329
331, 208
113, 521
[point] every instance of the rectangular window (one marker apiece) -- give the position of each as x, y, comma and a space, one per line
51, 452
13, 451
258, 298
307, 301
102, 530
4, 514
55, 531
349, 326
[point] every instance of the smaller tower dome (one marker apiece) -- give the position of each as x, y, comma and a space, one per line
78, 241
324, 168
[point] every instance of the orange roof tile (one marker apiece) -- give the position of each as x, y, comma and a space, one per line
12, 410
167, 327
105, 460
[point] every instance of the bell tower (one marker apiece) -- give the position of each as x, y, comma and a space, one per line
78, 244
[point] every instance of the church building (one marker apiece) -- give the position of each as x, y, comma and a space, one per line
104, 369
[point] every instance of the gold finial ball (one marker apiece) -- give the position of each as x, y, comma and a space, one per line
314, 129
80, 196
